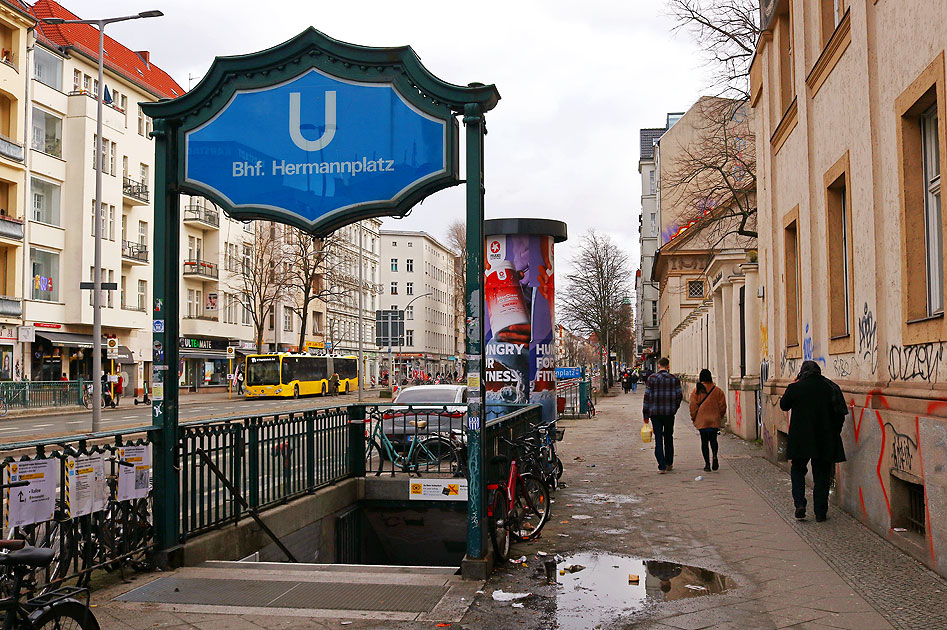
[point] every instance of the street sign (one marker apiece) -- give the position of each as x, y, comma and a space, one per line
111, 348
389, 328
314, 150
568, 372
231, 352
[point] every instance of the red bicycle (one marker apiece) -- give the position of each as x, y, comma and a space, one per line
517, 508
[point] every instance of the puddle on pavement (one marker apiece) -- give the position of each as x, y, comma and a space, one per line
603, 589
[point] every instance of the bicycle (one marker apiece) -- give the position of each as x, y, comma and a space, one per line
512, 505
434, 451
3, 407
55, 610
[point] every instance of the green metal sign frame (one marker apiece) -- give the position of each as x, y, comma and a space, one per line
399, 67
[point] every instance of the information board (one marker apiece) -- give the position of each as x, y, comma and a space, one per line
135, 480
33, 503
86, 490
438, 490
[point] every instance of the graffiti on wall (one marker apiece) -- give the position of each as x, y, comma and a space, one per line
903, 449
844, 366
786, 364
868, 338
915, 363
738, 411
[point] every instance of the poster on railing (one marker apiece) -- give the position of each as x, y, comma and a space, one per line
32, 503
86, 491
438, 490
134, 480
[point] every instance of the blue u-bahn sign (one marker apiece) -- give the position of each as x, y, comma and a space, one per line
315, 147
319, 133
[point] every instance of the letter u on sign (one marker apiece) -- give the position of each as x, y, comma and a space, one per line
295, 131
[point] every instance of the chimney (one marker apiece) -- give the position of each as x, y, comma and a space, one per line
145, 56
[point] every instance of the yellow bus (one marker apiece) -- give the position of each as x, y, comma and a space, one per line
285, 375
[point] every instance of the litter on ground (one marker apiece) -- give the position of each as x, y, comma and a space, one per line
501, 596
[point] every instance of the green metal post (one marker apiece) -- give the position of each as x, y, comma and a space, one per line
476, 524
253, 464
356, 440
310, 450
164, 403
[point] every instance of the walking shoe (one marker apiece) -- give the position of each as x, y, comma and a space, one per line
801, 514
821, 519
670, 467
707, 468
661, 471
716, 464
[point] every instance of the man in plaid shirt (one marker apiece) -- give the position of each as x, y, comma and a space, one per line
662, 397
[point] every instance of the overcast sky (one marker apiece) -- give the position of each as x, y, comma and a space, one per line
577, 81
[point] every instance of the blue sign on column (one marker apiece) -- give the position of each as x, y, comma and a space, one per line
314, 148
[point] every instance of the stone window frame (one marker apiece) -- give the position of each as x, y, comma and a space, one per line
928, 89
840, 286
791, 295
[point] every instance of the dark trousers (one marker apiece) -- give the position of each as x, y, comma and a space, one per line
708, 442
821, 477
663, 427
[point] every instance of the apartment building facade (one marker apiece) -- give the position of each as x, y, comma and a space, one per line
341, 328
647, 292
417, 276
851, 111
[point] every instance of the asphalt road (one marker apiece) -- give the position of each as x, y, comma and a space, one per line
127, 414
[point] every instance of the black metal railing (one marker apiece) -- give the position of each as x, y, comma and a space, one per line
37, 394
113, 530
135, 190
135, 251
268, 459
195, 267
509, 426
202, 214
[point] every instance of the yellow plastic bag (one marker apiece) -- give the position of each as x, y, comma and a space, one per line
646, 432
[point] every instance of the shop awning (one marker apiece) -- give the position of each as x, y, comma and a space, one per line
72, 340
202, 354
125, 355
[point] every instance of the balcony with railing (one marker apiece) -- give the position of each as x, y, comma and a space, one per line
200, 268
135, 191
135, 253
11, 228
209, 217
10, 306
11, 149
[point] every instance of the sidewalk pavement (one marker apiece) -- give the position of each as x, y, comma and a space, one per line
736, 521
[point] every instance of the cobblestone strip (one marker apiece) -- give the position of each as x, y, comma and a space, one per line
907, 594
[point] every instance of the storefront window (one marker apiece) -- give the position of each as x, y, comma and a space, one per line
6, 363
45, 271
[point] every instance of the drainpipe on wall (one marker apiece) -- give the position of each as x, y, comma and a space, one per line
27, 158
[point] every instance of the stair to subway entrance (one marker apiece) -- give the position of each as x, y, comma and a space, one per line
326, 591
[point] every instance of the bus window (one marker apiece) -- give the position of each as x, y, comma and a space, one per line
262, 371
289, 372
346, 368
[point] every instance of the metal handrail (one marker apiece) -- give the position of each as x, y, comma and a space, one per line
135, 251
134, 189
198, 267
200, 213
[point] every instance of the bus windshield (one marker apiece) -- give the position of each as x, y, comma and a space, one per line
262, 371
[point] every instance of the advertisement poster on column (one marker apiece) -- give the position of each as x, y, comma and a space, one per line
519, 290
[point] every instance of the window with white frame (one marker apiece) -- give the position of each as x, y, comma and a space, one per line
143, 233
142, 294
409, 337
409, 288
190, 302
47, 68
46, 196
394, 288
932, 212
47, 133
394, 264
409, 265
409, 313
287, 319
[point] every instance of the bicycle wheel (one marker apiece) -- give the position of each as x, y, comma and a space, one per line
530, 507
65, 615
3, 407
498, 524
435, 454
58, 537
374, 453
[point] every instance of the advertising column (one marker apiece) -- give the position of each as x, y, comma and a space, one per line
519, 292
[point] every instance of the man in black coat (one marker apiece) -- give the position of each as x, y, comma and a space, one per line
815, 426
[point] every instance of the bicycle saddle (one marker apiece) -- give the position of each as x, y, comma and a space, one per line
32, 557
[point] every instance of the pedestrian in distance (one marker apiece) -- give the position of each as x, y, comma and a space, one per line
815, 435
708, 408
334, 384
662, 398
239, 380
633, 380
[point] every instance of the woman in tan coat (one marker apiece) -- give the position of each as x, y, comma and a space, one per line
708, 409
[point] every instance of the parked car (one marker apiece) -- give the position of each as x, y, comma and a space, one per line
424, 410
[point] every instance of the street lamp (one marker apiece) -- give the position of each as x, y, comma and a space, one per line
97, 225
406, 306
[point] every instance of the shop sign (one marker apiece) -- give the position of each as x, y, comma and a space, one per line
192, 343
46, 325
244, 345
318, 345
26, 334
8, 332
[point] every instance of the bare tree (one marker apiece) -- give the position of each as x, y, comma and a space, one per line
261, 279
727, 32
311, 277
713, 178
457, 241
595, 289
